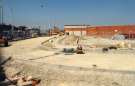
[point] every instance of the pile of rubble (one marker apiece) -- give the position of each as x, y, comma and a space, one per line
20, 81
15, 78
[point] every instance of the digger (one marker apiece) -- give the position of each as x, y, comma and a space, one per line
79, 50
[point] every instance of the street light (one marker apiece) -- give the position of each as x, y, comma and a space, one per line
1, 14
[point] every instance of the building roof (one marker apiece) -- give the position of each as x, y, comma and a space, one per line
102, 25
78, 25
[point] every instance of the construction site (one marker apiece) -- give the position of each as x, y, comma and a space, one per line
98, 53
58, 60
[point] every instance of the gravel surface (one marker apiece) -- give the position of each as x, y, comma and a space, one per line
57, 69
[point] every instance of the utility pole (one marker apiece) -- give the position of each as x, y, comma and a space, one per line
1, 12
12, 27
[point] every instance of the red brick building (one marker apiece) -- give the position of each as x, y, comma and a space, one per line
101, 31
76, 29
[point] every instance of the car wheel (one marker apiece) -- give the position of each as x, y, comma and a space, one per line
6, 43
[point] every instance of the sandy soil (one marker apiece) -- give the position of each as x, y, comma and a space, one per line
43, 58
31, 49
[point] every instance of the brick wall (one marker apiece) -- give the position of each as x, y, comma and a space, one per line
105, 31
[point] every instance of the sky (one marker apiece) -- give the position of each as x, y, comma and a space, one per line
47, 13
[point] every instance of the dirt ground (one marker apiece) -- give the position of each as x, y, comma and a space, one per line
31, 49
48, 50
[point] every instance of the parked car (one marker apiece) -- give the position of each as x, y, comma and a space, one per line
8, 35
3, 41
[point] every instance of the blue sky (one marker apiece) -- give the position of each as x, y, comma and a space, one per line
61, 12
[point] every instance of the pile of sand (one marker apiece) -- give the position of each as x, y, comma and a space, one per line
49, 44
104, 42
70, 40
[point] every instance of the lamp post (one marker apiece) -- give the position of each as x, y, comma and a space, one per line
1, 14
